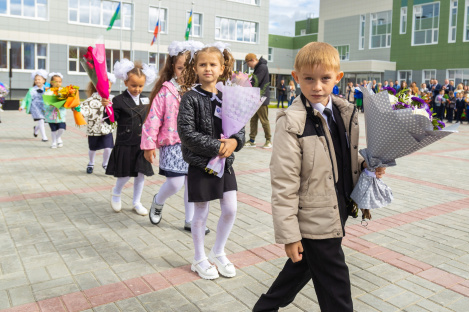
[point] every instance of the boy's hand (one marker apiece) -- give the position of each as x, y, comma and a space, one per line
378, 171
294, 251
149, 155
228, 148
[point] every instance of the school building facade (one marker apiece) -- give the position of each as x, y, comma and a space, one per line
411, 40
54, 34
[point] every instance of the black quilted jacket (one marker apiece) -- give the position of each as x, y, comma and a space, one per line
195, 128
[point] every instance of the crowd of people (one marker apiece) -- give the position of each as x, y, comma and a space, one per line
448, 101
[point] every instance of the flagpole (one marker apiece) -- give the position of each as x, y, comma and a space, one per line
132, 32
158, 38
120, 44
191, 30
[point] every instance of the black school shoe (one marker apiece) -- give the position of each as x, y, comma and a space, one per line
34, 132
89, 169
188, 227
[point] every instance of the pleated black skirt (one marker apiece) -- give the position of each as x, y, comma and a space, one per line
128, 161
203, 187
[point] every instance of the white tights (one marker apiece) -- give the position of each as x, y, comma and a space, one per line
171, 187
106, 154
40, 128
138, 188
228, 214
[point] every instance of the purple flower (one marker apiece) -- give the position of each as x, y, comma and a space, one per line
442, 123
419, 100
390, 90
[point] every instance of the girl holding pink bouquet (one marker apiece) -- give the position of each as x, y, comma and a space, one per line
55, 117
200, 127
34, 104
99, 133
160, 131
130, 112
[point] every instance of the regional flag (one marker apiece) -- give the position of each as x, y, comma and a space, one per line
116, 16
155, 33
189, 26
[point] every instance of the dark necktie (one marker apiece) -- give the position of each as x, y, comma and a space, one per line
330, 122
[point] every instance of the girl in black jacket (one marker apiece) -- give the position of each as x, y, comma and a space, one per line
130, 111
200, 129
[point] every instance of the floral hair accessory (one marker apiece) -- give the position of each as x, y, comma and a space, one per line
194, 47
150, 74
39, 72
222, 46
56, 74
121, 68
177, 47
111, 77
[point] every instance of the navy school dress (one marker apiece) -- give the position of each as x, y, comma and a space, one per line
127, 158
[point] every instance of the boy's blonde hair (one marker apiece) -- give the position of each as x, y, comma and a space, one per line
318, 53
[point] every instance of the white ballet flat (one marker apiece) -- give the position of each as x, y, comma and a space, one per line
116, 206
227, 270
140, 209
209, 274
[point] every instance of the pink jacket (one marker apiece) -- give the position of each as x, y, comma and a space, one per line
160, 128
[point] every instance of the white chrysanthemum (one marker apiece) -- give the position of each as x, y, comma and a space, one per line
392, 99
421, 111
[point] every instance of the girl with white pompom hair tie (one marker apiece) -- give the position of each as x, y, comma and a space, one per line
130, 111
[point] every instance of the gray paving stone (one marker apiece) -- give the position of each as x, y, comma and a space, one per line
130, 305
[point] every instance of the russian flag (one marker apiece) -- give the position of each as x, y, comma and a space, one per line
155, 33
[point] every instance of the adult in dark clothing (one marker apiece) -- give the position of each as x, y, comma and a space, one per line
281, 92
448, 86
262, 74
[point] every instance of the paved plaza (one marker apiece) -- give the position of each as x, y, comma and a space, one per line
62, 248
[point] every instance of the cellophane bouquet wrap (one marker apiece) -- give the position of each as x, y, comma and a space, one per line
94, 63
67, 97
396, 125
240, 102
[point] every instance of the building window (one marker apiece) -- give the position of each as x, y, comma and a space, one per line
98, 13
403, 26
303, 32
235, 30
24, 55
380, 34
457, 75
253, 2
75, 54
153, 56
196, 30
453, 15
404, 75
270, 56
466, 22
153, 18
343, 52
112, 56
426, 23
361, 39
36, 9
428, 74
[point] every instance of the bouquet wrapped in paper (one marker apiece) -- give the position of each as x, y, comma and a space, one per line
94, 63
67, 97
240, 102
396, 125
3, 93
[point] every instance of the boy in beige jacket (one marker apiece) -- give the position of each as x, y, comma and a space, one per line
314, 167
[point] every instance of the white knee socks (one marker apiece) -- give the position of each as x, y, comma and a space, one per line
40, 127
118, 188
228, 214
53, 136
138, 189
171, 187
106, 155
92, 155
59, 135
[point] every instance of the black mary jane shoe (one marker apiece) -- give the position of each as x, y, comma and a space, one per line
89, 169
34, 132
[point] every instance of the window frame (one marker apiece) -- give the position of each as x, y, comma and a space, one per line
465, 37
406, 71
450, 28
362, 28
236, 22
403, 21
192, 28
270, 54
77, 73
347, 54
8, 11
414, 11
388, 36
166, 10
240, 1
432, 75
101, 25
157, 65
22, 70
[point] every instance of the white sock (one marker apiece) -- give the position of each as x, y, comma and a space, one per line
118, 188
40, 125
106, 155
228, 206
198, 232
92, 155
189, 207
170, 187
59, 135
53, 135
139, 182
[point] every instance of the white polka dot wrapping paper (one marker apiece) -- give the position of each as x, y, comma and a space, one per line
390, 134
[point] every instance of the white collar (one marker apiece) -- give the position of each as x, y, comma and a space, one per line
320, 108
135, 98
175, 84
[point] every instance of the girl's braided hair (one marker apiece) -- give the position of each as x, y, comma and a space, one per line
190, 76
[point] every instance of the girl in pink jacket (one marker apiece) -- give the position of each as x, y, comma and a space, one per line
160, 132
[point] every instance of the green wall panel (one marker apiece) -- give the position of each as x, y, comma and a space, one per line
299, 42
310, 24
283, 42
